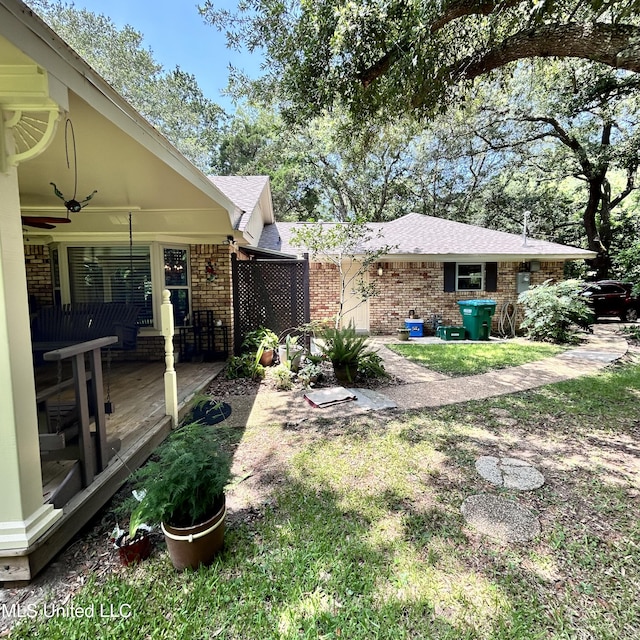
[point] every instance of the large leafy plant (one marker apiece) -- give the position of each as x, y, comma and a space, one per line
345, 348
184, 482
257, 338
554, 312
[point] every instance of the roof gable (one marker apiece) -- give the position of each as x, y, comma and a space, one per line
243, 191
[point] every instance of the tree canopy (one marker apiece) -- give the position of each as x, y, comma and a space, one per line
390, 56
171, 100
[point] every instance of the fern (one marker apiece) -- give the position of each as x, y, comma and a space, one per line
185, 480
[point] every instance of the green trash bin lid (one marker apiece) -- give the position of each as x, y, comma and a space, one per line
477, 303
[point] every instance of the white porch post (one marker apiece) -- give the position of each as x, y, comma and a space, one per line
170, 378
23, 516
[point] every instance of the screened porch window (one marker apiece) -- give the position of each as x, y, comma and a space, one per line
112, 274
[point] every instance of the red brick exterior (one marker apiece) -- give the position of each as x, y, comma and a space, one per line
418, 286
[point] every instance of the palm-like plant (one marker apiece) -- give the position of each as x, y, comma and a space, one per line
344, 347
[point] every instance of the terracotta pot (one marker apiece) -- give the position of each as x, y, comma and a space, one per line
189, 547
266, 358
135, 551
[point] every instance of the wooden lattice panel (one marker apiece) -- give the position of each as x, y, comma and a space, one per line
269, 293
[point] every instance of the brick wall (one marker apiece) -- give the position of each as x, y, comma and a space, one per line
418, 286
324, 290
212, 291
37, 262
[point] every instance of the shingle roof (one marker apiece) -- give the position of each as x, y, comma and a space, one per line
416, 234
243, 191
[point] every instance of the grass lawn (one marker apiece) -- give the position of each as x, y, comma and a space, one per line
353, 530
469, 359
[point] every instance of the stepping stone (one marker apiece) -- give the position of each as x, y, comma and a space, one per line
509, 473
500, 518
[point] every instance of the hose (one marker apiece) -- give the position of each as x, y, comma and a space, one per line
507, 319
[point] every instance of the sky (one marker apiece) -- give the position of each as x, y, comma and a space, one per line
177, 35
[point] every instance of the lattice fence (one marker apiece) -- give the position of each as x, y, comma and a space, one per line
269, 293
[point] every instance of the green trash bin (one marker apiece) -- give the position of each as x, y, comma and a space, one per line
476, 317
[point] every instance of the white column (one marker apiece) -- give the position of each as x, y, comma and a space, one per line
23, 516
170, 377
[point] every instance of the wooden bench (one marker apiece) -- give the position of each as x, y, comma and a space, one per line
63, 325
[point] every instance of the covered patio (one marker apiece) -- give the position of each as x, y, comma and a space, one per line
138, 423
146, 199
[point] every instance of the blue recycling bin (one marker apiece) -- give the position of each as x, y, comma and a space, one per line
476, 317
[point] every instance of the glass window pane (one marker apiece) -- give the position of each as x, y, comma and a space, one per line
112, 274
469, 270
175, 268
469, 277
180, 302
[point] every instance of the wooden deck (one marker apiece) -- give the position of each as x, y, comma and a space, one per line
138, 422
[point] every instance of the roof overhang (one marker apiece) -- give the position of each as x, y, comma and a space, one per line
490, 257
267, 254
119, 154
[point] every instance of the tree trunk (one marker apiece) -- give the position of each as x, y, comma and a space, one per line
598, 235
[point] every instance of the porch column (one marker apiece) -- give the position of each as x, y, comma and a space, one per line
23, 516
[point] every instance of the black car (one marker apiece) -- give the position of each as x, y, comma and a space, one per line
612, 298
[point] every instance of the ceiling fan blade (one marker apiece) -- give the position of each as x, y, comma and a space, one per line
38, 225
44, 219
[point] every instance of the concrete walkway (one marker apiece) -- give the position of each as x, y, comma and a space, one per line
424, 388
602, 348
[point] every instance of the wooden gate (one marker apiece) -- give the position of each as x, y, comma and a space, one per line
269, 293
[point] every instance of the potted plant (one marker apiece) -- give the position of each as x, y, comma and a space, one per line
344, 347
183, 487
290, 353
261, 339
309, 374
133, 545
404, 333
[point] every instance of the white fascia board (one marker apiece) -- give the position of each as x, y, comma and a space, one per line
30, 34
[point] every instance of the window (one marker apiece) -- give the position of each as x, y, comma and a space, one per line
176, 280
130, 275
469, 277
112, 274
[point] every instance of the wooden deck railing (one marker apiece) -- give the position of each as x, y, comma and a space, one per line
91, 451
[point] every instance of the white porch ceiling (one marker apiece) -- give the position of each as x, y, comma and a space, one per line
132, 167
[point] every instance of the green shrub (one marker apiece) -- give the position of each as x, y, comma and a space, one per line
370, 366
345, 348
245, 366
283, 377
309, 374
555, 312
257, 338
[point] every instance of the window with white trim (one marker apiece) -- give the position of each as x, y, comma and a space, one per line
176, 280
469, 276
130, 275
112, 274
